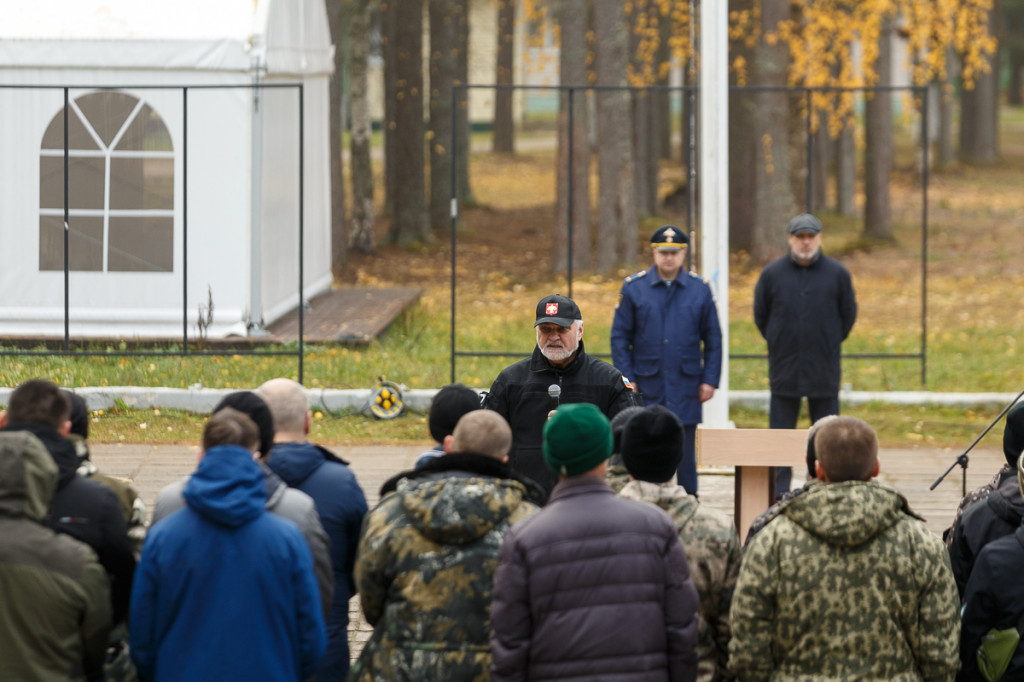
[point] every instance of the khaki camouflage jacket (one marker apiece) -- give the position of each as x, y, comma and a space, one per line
425, 571
846, 583
713, 549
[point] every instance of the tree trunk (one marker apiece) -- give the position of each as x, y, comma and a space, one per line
362, 235
388, 21
878, 145
846, 172
617, 226
503, 140
443, 35
1014, 96
820, 164
944, 147
573, 72
409, 222
663, 98
336, 17
979, 140
465, 191
766, 188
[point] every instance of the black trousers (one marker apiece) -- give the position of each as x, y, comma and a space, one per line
783, 412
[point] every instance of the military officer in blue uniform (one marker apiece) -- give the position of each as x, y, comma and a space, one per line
666, 339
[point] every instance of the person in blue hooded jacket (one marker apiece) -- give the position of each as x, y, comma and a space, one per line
339, 500
225, 590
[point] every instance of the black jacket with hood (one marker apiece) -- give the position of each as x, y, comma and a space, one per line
90, 512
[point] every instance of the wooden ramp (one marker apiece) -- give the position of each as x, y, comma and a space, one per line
350, 315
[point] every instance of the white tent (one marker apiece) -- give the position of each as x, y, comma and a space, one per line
134, 151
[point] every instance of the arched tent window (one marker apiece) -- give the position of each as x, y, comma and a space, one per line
121, 187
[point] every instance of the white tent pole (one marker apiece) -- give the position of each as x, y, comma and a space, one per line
255, 321
714, 181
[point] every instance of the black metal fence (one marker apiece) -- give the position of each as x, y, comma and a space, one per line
689, 96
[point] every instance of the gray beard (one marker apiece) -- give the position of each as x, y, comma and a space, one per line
556, 354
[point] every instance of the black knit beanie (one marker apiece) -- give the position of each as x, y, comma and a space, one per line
450, 403
1013, 434
253, 407
652, 444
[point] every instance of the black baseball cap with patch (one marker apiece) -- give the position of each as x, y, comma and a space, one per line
558, 310
669, 238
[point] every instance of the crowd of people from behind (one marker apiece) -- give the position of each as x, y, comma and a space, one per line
553, 532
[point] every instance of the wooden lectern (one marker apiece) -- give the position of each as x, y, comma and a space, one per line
752, 452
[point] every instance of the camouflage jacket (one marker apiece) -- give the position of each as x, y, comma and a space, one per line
425, 570
846, 583
616, 475
713, 549
131, 502
976, 496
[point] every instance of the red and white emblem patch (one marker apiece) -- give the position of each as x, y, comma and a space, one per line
551, 309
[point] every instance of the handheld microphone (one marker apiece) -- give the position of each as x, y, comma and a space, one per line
554, 392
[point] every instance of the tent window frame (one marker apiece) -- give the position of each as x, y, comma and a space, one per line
121, 191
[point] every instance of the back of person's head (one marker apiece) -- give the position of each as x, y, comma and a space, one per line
811, 432
577, 439
847, 449
619, 423
288, 404
483, 432
38, 401
1013, 434
652, 444
230, 427
252, 406
79, 415
450, 403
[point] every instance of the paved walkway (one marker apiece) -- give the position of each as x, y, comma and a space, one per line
911, 471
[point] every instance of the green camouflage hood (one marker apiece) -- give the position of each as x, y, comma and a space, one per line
847, 514
459, 510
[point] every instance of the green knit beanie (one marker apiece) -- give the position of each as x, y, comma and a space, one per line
577, 438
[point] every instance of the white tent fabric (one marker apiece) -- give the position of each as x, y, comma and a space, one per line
242, 156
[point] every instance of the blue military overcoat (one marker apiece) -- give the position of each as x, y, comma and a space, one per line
666, 339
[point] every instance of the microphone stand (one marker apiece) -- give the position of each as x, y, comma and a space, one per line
961, 461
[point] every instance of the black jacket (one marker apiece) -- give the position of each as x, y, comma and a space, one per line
804, 313
994, 598
998, 515
520, 395
467, 464
90, 512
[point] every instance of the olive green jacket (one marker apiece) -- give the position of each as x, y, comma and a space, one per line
56, 596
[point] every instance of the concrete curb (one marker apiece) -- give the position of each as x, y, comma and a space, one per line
203, 400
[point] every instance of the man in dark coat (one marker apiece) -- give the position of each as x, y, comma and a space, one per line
522, 393
594, 586
339, 501
804, 307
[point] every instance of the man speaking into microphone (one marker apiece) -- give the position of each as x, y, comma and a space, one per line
558, 373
